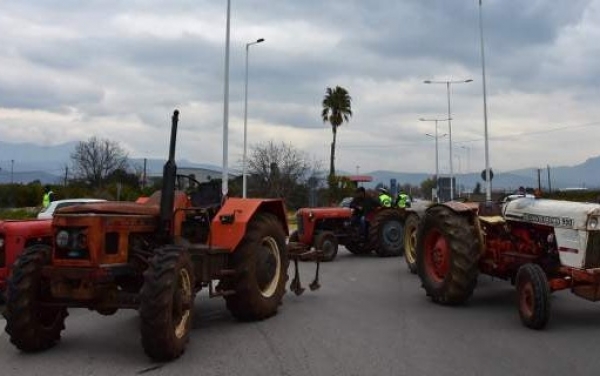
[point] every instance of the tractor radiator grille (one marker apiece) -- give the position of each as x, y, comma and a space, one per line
592, 254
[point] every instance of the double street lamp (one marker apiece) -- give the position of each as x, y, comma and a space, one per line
448, 83
437, 160
244, 157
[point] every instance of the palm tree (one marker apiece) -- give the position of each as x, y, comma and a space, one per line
337, 109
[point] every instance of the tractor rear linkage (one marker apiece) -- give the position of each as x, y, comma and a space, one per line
296, 252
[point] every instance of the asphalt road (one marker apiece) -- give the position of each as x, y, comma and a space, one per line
370, 318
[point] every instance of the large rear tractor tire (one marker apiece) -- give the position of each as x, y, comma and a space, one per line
30, 325
410, 242
447, 255
386, 234
534, 296
167, 304
327, 242
261, 263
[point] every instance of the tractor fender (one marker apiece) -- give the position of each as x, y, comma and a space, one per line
469, 209
229, 225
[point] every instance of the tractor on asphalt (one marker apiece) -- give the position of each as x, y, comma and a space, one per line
326, 228
154, 257
541, 246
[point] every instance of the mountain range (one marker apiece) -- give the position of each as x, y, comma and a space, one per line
25, 162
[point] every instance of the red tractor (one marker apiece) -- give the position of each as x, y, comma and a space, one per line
324, 229
541, 246
153, 257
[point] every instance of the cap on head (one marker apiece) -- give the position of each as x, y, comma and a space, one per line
383, 190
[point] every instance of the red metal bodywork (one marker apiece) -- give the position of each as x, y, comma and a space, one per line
228, 235
310, 216
17, 236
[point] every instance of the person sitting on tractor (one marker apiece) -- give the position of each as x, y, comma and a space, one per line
362, 204
403, 200
385, 199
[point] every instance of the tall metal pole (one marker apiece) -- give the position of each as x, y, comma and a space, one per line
450, 141
224, 184
488, 178
437, 159
448, 82
12, 165
244, 157
437, 164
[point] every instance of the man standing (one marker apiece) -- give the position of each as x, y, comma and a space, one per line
48, 197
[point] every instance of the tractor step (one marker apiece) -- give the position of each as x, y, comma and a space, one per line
207, 249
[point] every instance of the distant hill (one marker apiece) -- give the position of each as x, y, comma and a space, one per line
48, 163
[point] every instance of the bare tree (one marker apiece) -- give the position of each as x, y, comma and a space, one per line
95, 159
278, 169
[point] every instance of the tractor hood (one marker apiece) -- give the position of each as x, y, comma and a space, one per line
331, 212
554, 213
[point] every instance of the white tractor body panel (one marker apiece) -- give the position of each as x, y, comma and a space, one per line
570, 221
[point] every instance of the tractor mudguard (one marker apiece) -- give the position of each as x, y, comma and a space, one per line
229, 225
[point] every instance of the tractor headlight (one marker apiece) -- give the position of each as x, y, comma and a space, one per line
1, 242
311, 215
593, 223
62, 239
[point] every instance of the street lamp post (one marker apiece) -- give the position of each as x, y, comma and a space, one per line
448, 82
488, 178
244, 163
225, 175
437, 168
12, 165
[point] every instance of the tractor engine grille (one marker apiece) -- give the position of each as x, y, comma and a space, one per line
592, 253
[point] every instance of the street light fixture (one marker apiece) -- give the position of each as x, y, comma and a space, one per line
448, 82
244, 163
437, 168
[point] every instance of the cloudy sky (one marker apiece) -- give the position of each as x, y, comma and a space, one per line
117, 69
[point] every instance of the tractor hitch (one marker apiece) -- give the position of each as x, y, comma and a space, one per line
299, 252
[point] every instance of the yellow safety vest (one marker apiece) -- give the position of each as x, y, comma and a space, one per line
385, 200
402, 199
46, 199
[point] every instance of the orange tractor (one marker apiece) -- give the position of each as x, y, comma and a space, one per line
154, 257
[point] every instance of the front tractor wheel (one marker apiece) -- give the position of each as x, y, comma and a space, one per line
261, 263
328, 244
167, 302
386, 234
31, 325
447, 255
534, 296
410, 242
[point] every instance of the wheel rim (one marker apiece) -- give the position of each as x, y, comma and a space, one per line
182, 301
411, 244
270, 267
526, 299
437, 255
328, 247
392, 234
